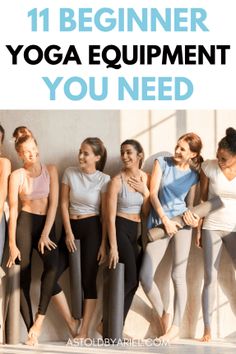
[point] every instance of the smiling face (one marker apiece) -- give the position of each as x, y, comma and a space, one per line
129, 156
87, 158
182, 152
225, 159
28, 151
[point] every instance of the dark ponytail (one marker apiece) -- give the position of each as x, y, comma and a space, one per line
229, 141
3, 133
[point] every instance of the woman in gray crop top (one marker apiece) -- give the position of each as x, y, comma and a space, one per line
36, 185
82, 205
128, 197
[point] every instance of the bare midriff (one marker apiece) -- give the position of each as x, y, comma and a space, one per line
132, 217
82, 216
37, 206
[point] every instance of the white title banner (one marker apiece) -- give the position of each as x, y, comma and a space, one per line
163, 54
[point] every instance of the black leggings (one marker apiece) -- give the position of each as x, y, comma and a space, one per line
29, 229
89, 232
126, 234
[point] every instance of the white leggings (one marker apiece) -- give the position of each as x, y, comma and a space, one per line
153, 255
212, 242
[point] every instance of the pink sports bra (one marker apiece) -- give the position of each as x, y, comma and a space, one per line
32, 188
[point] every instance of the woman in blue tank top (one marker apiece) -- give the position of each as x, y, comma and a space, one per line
128, 197
173, 179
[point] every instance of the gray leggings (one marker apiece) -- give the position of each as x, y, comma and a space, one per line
153, 255
2, 236
212, 242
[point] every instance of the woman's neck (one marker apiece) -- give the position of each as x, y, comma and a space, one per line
182, 165
88, 171
132, 172
33, 167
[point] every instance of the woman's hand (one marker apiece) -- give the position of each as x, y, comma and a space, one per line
14, 254
70, 242
139, 185
45, 241
191, 219
101, 258
113, 257
171, 227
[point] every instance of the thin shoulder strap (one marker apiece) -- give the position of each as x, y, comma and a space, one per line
21, 177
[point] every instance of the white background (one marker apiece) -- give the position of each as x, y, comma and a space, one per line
21, 86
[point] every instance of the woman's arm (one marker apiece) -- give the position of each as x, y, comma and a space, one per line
146, 195
204, 186
171, 227
13, 213
65, 201
190, 218
5, 170
112, 194
102, 250
51, 212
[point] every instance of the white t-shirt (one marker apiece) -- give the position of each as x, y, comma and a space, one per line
223, 219
85, 190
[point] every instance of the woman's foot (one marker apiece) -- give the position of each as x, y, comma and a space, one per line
99, 328
35, 330
206, 336
165, 320
172, 333
33, 335
80, 337
73, 326
156, 324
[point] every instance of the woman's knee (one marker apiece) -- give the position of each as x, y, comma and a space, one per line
179, 276
210, 277
145, 281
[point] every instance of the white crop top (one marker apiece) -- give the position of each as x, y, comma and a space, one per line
223, 219
85, 190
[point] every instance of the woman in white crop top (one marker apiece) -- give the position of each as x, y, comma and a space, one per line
83, 205
128, 197
218, 177
36, 185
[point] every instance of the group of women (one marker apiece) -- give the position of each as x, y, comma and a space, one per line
93, 206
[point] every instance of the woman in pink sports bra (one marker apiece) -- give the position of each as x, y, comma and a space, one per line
36, 186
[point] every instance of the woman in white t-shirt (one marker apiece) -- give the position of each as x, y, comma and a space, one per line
82, 204
218, 177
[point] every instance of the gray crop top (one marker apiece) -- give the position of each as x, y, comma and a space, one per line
85, 190
128, 202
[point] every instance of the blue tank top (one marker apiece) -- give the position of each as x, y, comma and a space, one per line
174, 187
128, 202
